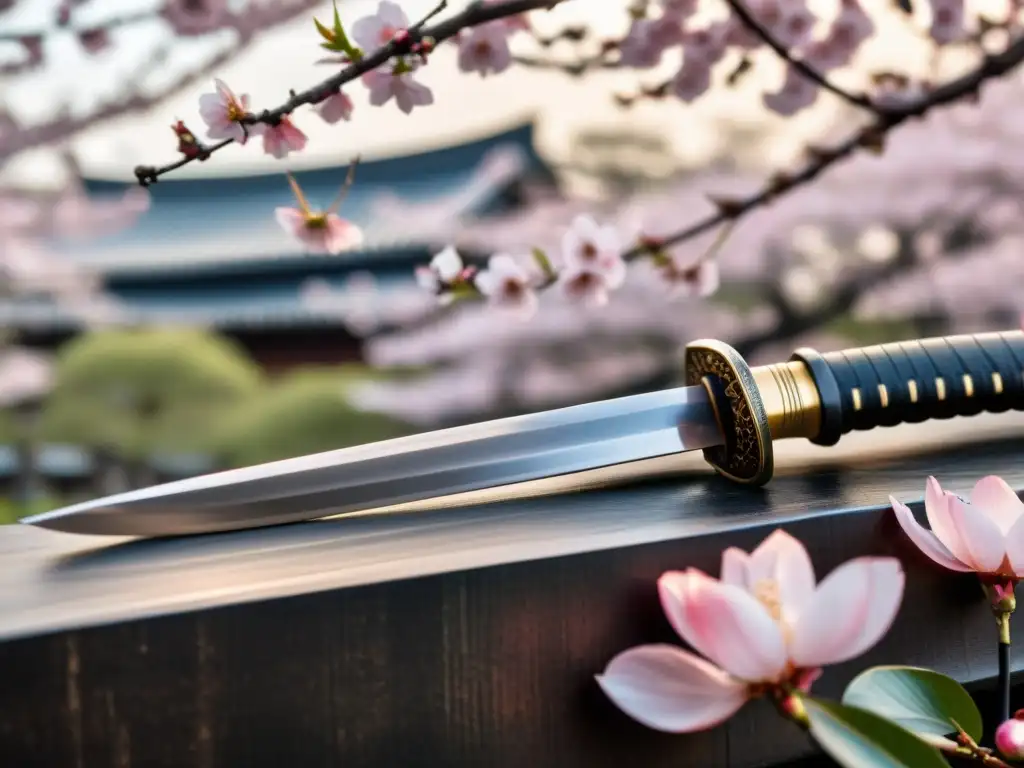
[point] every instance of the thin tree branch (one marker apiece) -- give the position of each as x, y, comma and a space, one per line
473, 15
247, 24
871, 137
801, 66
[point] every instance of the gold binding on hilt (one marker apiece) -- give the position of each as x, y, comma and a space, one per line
753, 407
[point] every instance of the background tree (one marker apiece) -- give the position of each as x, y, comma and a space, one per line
306, 411
140, 393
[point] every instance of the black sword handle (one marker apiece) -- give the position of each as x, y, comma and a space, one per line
822, 397
915, 381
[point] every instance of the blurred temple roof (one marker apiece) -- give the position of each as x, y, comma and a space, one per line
210, 252
397, 202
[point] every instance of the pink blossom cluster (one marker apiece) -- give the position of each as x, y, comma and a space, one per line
484, 50
790, 24
590, 267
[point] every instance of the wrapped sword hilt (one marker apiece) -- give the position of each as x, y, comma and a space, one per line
823, 396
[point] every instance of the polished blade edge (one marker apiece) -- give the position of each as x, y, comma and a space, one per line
431, 464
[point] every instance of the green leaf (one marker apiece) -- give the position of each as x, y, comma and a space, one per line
325, 33
857, 738
925, 702
544, 263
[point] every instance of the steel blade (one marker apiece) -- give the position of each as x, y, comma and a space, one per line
423, 466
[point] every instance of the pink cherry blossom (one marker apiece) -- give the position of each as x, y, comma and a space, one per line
706, 45
509, 286
586, 286
191, 18
407, 92
700, 279
766, 623
795, 24
336, 107
691, 81
797, 93
376, 31
222, 112
485, 49
588, 246
281, 139
678, 10
647, 40
985, 536
947, 21
445, 268
851, 27
320, 231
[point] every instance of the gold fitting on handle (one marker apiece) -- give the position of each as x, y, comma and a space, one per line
790, 399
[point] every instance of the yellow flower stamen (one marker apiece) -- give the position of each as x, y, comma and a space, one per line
235, 112
767, 593
316, 220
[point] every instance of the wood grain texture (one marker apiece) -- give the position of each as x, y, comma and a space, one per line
465, 635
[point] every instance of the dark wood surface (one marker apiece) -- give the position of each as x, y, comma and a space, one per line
464, 632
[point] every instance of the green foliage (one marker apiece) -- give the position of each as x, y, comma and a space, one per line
304, 412
143, 391
11, 511
857, 738
925, 702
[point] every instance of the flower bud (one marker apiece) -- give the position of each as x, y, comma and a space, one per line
1010, 737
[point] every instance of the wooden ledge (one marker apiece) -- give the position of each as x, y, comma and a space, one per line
465, 635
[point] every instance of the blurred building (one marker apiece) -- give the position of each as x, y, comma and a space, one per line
209, 251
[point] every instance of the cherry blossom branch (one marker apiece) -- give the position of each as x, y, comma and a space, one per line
801, 66
247, 24
592, 272
870, 137
419, 37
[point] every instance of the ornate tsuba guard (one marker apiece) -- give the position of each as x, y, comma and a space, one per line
746, 456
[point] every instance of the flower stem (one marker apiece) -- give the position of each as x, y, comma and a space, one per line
1003, 620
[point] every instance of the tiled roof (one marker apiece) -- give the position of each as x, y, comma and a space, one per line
397, 202
239, 303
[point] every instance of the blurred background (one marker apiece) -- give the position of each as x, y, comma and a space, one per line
148, 340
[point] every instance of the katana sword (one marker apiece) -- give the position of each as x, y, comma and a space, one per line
731, 411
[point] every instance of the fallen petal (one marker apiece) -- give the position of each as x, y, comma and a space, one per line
668, 689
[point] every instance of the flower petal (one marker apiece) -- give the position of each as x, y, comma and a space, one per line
936, 507
735, 564
784, 560
668, 689
725, 623
978, 534
392, 14
291, 220
993, 496
925, 540
851, 610
1015, 547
